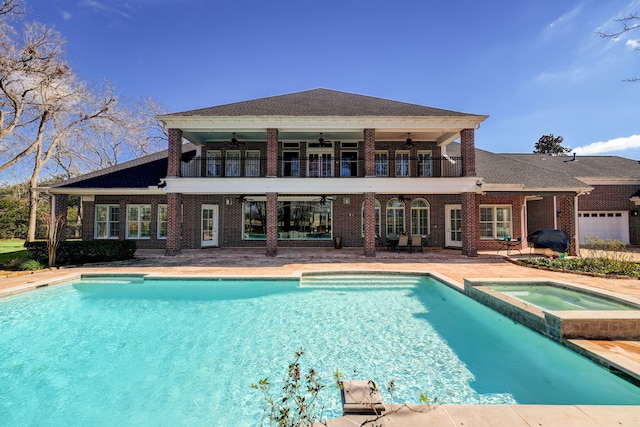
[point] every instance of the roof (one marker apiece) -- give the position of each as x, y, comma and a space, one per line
320, 102
503, 169
583, 166
143, 172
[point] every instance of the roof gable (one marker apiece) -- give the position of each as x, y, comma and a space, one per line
320, 102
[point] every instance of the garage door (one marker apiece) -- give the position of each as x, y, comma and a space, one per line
605, 225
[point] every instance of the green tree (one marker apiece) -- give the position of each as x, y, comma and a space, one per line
551, 145
14, 215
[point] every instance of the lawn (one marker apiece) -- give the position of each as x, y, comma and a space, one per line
12, 249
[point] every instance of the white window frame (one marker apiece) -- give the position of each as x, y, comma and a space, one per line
139, 221
402, 163
381, 163
163, 218
419, 224
377, 216
213, 162
112, 227
252, 163
232, 162
495, 224
395, 223
425, 163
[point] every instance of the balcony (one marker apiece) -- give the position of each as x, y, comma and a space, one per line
324, 166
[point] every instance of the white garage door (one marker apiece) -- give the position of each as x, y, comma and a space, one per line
605, 225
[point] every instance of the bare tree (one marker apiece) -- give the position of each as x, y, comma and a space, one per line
9, 8
628, 23
128, 131
50, 117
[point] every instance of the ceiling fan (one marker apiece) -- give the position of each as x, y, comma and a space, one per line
234, 141
322, 142
409, 141
324, 198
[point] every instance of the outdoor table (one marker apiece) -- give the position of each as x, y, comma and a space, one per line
509, 245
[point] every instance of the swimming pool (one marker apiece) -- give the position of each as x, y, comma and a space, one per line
111, 351
561, 298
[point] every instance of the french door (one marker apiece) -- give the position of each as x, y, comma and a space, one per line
209, 223
453, 220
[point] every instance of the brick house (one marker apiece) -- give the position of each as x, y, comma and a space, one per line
302, 169
609, 210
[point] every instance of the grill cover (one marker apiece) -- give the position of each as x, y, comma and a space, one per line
553, 239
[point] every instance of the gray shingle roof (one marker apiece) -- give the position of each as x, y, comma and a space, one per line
583, 166
321, 102
503, 169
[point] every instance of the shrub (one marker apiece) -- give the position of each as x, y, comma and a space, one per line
81, 252
30, 265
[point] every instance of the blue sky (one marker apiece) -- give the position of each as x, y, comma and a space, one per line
535, 67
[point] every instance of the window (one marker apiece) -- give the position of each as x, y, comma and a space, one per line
320, 165
162, 221
377, 217
290, 163
495, 222
107, 222
420, 217
402, 163
213, 163
382, 163
297, 220
138, 221
349, 163
232, 163
252, 163
395, 217
424, 163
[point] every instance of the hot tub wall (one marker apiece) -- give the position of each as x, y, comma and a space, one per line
597, 326
530, 317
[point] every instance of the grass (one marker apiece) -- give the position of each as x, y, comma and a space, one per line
11, 250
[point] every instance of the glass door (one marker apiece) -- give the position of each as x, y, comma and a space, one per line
209, 236
453, 220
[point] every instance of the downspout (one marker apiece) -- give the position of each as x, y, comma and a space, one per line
555, 213
575, 219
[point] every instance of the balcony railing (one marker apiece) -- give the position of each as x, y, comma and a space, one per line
322, 167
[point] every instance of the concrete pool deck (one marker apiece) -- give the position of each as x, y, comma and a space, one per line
448, 264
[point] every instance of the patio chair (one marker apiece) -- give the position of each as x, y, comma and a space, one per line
403, 242
416, 243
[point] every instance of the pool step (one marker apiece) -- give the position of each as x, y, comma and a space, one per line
359, 281
361, 397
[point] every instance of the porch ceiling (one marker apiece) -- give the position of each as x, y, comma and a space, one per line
442, 136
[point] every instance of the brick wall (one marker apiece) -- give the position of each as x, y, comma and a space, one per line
88, 220
517, 203
540, 214
468, 152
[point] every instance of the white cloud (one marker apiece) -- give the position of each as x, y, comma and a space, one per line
566, 18
65, 15
635, 44
101, 7
616, 144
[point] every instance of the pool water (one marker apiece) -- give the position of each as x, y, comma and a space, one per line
185, 352
557, 298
